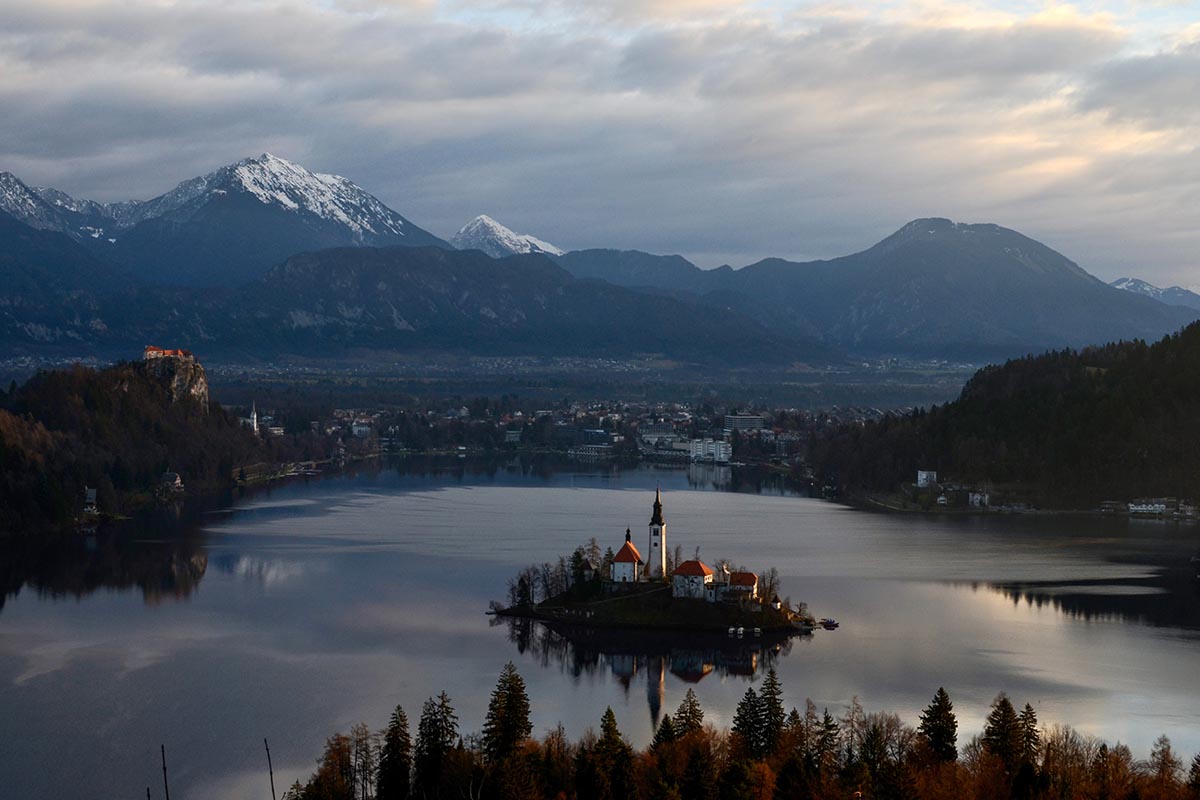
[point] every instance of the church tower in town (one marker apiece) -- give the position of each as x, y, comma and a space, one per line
656, 557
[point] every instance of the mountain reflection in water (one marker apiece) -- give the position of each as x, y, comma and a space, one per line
646, 656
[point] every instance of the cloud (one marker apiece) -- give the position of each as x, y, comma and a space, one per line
723, 131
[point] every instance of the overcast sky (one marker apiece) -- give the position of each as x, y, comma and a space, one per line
724, 131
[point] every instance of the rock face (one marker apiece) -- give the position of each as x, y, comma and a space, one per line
180, 372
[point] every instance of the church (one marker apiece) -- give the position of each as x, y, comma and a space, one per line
692, 579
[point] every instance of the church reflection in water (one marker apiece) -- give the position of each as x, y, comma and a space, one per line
645, 657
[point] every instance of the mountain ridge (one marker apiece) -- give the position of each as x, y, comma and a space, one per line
486, 234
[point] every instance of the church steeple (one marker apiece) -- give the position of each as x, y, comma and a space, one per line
656, 556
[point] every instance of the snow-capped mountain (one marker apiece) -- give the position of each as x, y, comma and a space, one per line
484, 233
228, 226
1172, 296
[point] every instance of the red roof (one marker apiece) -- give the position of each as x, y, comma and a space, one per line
743, 579
694, 568
628, 553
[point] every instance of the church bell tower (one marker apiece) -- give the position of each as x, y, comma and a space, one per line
656, 557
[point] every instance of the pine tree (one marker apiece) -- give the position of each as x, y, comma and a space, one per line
507, 723
748, 724
828, 738
665, 733
939, 727
437, 733
1002, 735
1031, 740
773, 715
395, 759
689, 717
1193, 781
614, 757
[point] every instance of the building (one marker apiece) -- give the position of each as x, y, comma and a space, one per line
926, 478
171, 482
360, 430
743, 585
656, 568
743, 422
713, 450
691, 579
152, 352
627, 563
89, 501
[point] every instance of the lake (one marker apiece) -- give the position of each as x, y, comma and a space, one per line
295, 612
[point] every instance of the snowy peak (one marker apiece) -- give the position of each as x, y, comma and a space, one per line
23, 202
486, 234
1172, 296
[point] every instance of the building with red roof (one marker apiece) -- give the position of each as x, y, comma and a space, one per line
743, 584
627, 563
691, 578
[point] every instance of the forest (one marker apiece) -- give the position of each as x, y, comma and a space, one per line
768, 753
116, 429
1066, 429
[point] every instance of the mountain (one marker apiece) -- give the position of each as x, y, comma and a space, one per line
223, 228
484, 233
934, 288
1173, 296
50, 287
235, 223
441, 300
1064, 429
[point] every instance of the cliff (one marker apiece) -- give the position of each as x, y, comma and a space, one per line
182, 376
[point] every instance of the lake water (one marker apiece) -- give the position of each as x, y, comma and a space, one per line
298, 611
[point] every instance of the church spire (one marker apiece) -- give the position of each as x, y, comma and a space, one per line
656, 518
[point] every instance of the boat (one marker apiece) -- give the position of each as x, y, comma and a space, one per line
829, 624
758, 631
740, 631
732, 631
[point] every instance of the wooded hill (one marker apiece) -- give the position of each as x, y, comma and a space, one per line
1071, 427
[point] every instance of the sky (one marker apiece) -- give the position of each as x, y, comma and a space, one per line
724, 131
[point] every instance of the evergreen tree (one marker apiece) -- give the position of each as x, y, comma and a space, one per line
395, 759
1002, 734
689, 717
1031, 740
1193, 781
828, 738
507, 723
773, 715
939, 727
665, 733
437, 733
614, 757
748, 724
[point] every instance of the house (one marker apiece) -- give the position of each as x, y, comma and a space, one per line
89, 501
627, 563
776, 603
926, 478
151, 352
691, 579
170, 482
743, 585
591, 570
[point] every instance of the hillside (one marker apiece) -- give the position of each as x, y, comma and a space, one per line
934, 288
116, 429
1072, 428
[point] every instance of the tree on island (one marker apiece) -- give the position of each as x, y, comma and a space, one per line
395, 759
939, 727
507, 723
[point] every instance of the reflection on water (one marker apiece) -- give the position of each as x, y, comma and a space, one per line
1169, 598
77, 563
646, 656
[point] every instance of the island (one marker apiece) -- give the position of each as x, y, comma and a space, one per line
661, 591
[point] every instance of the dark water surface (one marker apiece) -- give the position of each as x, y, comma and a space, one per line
299, 611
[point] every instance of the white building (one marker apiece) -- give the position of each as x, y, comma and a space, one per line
743, 422
926, 478
715, 450
627, 563
690, 580
656, 566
